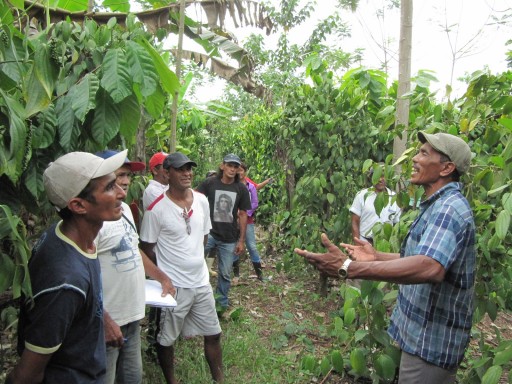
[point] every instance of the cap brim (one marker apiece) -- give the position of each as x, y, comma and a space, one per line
111, 164
136, 166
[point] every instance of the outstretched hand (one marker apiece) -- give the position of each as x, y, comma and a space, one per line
329, 262
362, 251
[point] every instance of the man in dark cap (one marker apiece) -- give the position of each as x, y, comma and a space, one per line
435, 268
174, 230
226, 235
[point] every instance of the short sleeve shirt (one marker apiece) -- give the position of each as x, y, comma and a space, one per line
225, 200
66, 319
433, 321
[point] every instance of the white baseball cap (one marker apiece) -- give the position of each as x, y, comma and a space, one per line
67, 176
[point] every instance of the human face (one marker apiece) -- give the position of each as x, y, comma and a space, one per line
230, 170
124, 177
427, 169
160, 174
223, 204
181, 178
107, 197
381, 185
241, 172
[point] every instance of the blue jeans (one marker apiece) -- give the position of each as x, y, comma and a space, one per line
225, 258
124, 365
250, 243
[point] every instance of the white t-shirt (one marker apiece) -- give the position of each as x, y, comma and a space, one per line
122, 270
152, 191
363, 206
179, 255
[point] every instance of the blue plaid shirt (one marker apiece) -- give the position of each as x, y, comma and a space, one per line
433, 321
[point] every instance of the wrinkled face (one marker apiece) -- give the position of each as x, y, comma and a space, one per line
427, 166
124, 177
230, 169
106, 202
181, 178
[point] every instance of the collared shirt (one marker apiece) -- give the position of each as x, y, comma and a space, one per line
253, 195
433, 321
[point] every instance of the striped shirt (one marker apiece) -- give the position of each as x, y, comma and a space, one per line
433, 321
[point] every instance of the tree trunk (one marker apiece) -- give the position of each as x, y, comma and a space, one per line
174, 109
404, 78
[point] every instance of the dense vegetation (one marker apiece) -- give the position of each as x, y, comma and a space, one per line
87, 86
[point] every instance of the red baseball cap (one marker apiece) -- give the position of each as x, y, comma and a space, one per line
157, 159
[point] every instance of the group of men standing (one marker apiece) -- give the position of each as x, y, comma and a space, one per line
65, 326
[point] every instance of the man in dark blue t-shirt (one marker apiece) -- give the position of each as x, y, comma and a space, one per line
60, 333
229, 200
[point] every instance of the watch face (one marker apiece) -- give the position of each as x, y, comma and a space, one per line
342, 272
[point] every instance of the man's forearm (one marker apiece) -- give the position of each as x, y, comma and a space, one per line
385, 256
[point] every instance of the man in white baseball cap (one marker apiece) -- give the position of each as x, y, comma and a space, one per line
60, 331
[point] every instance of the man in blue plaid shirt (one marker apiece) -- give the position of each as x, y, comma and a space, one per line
435, 268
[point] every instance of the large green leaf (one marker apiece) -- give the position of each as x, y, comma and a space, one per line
385, 367
72, 5
502, 224
45, 70
117, 5
106, 121
12, 157
358, 361
34, 181
142, 70
116, 77
130, 118
492, 375
66, 120
155, 103
84, 95
168, 78
35, 94
6, 272
44, 132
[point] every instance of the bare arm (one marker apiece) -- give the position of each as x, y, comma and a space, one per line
113, 334
240, 245
356, 221
149, 250
263, 183
30, 368
407, 270
156, 273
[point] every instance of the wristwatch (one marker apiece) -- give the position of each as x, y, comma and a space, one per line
343, 271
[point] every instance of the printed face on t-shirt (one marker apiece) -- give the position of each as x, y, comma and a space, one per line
224, 206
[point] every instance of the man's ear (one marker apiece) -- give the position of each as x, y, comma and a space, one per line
448, 168
77, 205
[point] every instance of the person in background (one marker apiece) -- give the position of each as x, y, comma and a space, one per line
174, 231
363, 212
227, 237
435, 268
123, 270
258, 186
159, 183
60, 331
250, 236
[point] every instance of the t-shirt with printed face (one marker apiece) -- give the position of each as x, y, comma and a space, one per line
225, 200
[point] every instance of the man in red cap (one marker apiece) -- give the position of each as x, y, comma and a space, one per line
160, 181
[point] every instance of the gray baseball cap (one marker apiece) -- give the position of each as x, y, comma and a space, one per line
452, 146
177, 160
67, 176
232, 158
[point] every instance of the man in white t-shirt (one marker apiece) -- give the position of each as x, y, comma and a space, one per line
364, 216
174, 230
123, 269
159, 183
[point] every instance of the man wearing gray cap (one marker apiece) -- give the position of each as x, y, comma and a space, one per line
60, 331
435, 268
229, 200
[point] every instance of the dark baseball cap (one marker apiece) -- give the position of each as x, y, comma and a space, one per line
232, 158
177, 160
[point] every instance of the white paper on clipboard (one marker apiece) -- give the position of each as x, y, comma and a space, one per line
154, 295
